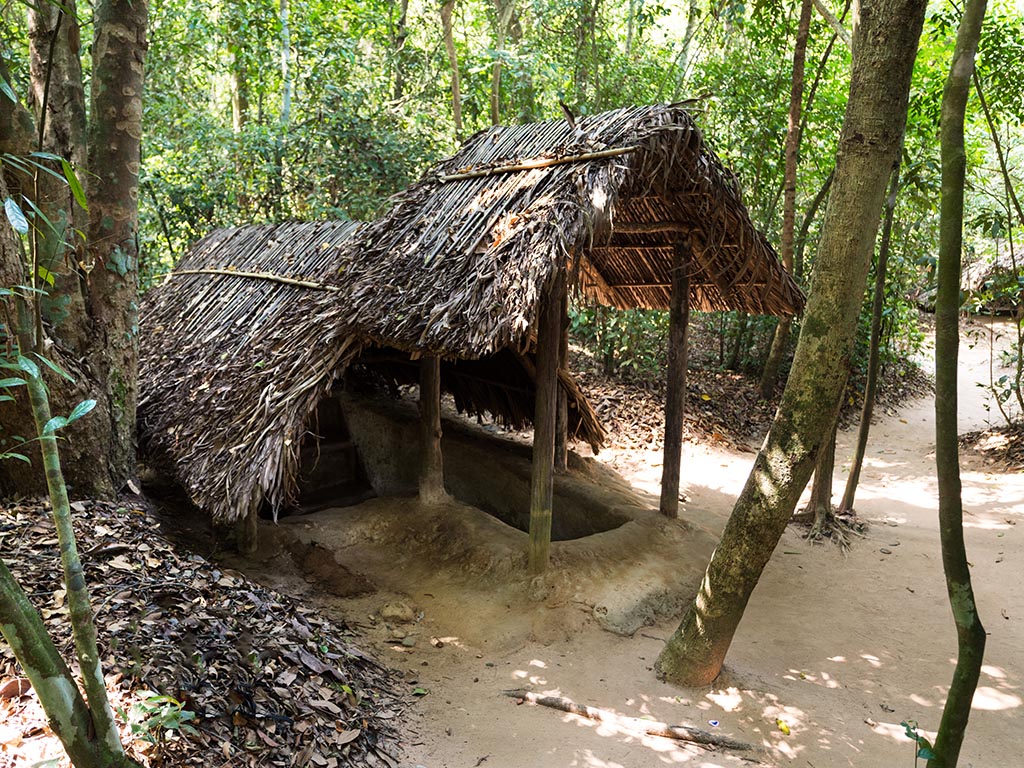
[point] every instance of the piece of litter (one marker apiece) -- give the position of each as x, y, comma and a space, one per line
713, 723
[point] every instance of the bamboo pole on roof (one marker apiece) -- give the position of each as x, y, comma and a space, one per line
549, 331
675, 396
431, 480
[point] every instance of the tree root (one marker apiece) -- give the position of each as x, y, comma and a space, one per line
678, 732
832, 525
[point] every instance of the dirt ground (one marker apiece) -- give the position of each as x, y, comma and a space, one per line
838, 648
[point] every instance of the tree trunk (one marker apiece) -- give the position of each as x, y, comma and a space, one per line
780, 340
820, 504
549, 327
58, 101
431, 481
878, 304
503, 10
447, 9
286, 64
805, 227
400, 37
885, 47
969, 630
739, 341
115, 131
675, 389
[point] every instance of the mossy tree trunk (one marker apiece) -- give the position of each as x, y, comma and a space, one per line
885, 43
969, 630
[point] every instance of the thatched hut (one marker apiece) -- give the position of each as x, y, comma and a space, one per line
472, 265
235, 362
629, 208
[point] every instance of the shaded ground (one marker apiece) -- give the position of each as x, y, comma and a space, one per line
270, 682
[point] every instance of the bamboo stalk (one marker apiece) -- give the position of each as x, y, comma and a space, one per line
543, 162
254, 275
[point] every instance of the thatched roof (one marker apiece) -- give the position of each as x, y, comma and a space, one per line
233, 365
458, 264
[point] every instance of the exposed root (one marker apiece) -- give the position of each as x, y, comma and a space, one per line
832, 525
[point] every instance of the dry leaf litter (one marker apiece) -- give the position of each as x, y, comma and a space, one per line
271, 683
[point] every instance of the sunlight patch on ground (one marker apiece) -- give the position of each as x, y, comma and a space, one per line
897, 732
990, 699
729, 700
520, 675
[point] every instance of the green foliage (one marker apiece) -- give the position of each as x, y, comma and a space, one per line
922, 745
627, 343
154, 718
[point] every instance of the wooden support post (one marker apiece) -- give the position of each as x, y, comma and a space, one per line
562, 420
247, 533
675, 398
549, 331
431, 464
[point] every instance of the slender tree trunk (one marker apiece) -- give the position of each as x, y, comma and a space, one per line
739, 341
115, 133
820, 503
969, 630
884, 50
447, 9
878, 304
503, 10
780, 340
400, 37
805, 227
56, 76
286, 64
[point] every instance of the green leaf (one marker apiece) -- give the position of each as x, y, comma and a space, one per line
11, 382
15, 216
79, 411
6, 90
6, 399
419, 691
926, 753
54, 424
75, 184
28, 367
46, 275
18, 456
55, 368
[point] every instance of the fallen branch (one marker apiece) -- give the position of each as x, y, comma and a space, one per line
649, 727
543, 162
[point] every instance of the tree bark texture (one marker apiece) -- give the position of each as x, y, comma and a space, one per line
431, 479
885, 41
780, 339
447, 9
969, 630
549, 332
821, 489
57, 97
675, 389
877, 305
115, 133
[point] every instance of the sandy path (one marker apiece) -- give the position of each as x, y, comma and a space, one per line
841, 648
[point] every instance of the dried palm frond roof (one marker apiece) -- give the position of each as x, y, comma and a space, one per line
234, 359
228, 380
459, 263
